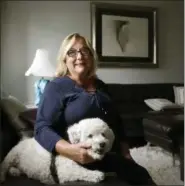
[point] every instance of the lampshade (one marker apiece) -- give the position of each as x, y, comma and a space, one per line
41, 65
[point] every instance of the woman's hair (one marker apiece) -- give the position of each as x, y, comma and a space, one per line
64, 48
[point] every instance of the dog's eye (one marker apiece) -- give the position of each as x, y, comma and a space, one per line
103, 134
90, 136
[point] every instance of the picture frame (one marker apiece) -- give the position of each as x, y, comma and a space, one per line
123, 35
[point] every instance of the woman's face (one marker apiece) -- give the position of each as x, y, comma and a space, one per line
79, 59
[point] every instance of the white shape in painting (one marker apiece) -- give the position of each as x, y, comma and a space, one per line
133, 37
122, 34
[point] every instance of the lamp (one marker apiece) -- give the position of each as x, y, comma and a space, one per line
40, 67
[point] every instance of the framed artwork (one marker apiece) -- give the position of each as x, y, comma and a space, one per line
124, 36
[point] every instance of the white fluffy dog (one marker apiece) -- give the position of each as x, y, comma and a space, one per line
29, 158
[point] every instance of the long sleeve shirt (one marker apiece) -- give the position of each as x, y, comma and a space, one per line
65, 103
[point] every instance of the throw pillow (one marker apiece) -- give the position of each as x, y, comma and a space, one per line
158, 104
179, 95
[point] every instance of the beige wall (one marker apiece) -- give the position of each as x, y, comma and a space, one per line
28, 25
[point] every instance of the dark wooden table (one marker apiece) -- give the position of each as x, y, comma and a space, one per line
182, 162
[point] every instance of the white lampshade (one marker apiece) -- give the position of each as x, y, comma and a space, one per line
41, 65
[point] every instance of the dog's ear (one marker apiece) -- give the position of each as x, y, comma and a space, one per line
74, 133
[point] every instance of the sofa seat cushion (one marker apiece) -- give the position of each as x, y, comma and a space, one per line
158, 104
24, 181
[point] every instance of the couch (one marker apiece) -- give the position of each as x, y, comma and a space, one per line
128, 98
162, 128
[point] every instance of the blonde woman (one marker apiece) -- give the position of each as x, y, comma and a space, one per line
75, 94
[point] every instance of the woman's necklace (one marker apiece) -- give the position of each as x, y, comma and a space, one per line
88, 85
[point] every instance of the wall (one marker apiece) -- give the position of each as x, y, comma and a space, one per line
28, 25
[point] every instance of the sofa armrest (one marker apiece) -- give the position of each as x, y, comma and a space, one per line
12, 108
29, 116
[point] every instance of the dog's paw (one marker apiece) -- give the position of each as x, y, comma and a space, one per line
13, 171
95, 156
97, 176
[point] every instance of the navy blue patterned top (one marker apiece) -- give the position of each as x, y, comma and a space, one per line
65, 103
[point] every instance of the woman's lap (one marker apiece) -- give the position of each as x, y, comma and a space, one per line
126, 169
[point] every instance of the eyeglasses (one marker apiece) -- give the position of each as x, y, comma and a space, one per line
84, 51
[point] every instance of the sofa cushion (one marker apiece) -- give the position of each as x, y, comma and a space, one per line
179, 94
137, 93
131, 108
158, 104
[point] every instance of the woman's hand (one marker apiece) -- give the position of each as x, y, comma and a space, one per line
125, 151
128, 156
79, 153
76, 152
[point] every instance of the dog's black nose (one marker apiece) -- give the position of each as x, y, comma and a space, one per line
102, 145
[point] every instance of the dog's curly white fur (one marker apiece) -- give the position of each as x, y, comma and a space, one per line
30, 158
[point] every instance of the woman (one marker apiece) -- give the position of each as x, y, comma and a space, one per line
76, 93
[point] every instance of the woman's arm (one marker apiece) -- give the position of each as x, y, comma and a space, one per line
125, 150
49, 110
